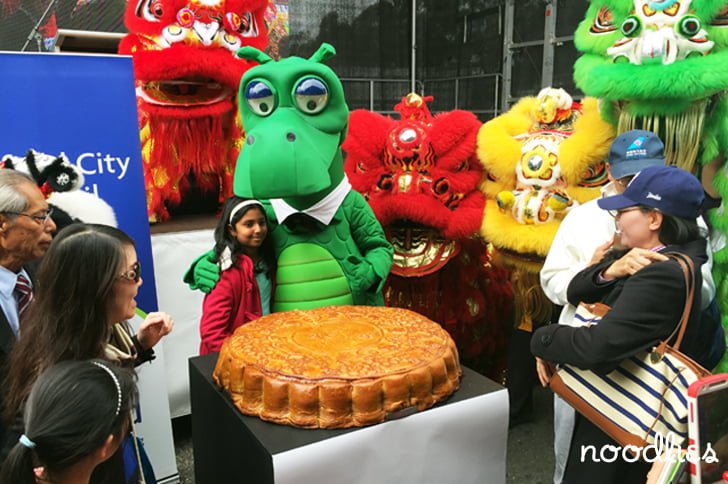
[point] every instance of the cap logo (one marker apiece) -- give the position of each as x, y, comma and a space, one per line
653, 196
636, 150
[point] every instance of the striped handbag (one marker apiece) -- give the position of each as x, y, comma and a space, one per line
646, 395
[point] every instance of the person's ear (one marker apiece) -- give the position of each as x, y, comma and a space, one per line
107, 449
231, 230
655, 218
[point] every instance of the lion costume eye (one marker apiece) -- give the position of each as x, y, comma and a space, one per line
311, 95
631, 26
689, 25
260, 97
604, 22
247, 26
150, 10
157, 8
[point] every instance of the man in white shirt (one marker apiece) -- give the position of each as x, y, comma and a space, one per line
583, 237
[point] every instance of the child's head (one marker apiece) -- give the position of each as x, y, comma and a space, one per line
242, 227
77, 410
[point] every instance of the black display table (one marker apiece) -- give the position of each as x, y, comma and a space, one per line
460, 440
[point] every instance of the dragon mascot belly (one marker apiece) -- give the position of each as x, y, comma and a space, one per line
663, 66
541, 158
420, 175
329, 246
187, 76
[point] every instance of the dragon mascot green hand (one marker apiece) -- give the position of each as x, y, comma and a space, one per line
331, 249
663, 66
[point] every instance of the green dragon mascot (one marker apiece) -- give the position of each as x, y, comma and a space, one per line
330, 248
662, 65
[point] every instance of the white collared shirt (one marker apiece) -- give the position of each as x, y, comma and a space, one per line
323, 210
8, 303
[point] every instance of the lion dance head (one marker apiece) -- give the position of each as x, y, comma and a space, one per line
187, 76
420, 175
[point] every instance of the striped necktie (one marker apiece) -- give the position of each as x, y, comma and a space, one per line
23, 294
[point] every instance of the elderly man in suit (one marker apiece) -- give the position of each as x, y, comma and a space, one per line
26, 232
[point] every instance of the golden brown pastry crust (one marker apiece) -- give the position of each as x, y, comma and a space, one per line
338, 366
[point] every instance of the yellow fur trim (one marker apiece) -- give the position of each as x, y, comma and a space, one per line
497, 150
589, 144
492, 188
509, 262
502, 230
583, 194
531, 304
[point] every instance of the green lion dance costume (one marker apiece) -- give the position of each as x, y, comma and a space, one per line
663, 66
331, 249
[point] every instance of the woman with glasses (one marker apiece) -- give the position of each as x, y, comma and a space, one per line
655, 215
86, 289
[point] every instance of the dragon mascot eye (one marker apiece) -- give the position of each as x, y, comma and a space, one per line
260, 97
311, 95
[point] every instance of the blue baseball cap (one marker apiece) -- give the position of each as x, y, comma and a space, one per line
634, 151
669, 189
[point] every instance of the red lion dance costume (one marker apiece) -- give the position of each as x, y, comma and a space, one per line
421, 176
187, 77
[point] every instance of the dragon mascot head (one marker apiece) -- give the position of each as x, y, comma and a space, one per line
662, 65
420, 175
298, 134
187, 76
541, 158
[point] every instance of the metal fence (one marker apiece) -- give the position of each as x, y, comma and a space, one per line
479, 94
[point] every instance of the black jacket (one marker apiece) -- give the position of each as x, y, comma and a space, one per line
645, 309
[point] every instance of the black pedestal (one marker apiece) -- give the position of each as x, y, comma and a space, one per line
230, 447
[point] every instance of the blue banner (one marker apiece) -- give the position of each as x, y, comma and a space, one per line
84, 107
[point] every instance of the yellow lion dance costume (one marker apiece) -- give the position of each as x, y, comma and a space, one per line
544, 156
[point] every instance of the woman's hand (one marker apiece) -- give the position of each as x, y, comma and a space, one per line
631, 262
545, 371
155, 327
600, 252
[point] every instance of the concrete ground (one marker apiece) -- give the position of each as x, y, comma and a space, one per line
530, 449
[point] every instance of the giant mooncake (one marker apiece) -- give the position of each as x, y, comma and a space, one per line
338, 366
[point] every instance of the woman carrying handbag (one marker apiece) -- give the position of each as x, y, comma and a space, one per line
646, 293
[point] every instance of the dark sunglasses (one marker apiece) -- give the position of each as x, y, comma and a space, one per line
133, 274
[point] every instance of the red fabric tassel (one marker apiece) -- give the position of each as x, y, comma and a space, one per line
202, 146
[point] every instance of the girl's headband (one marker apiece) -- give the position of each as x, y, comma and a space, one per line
243, 204
116, 382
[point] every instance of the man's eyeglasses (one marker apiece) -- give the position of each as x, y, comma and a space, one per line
133, 274
41, 218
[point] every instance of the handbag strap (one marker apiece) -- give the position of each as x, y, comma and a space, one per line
688, 270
